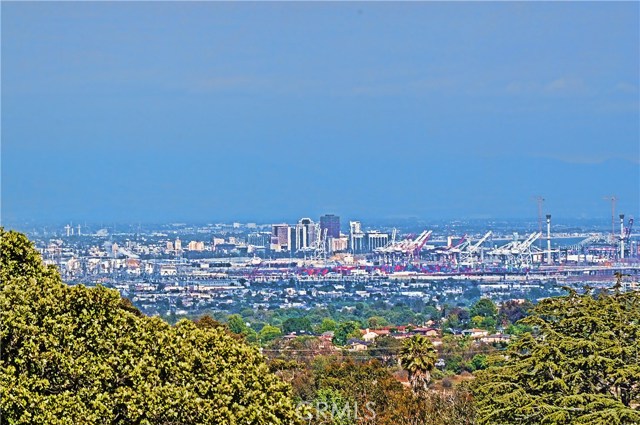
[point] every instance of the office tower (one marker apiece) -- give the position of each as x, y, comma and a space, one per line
280, 237
332, 224
305, 234
260, 239
356, 237
375, 239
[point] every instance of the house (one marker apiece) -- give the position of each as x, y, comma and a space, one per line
327, 336
430, 332
381, 332
491, 339
369, 336
475, 332
356, 344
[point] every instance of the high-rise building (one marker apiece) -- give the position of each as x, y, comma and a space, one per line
304, 234
332, 224
356, 237
195, 246
340, 244
259, 239
375, 239
280, 237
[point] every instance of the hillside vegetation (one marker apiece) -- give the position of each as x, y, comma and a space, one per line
78, 355
580, 366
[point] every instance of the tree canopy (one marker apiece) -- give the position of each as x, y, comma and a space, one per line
73, 354
483, 308
581, 367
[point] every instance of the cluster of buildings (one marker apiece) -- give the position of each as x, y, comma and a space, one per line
324, 237
305, 239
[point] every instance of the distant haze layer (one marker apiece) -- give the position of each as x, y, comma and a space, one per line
186, 111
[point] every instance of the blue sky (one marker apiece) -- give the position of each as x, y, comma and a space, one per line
252, 111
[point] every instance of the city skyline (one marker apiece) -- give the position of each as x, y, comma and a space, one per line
159, 112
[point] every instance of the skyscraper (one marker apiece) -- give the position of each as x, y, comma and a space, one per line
305, 234
356, 237
280, 237
332, 224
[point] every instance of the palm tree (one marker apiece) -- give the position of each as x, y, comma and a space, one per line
419, 358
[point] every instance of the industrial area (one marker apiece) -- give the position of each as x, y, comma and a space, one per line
187, 269
312, 250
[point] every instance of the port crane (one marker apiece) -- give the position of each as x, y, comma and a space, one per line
473, 252
407, 247
624, 237
518, 253
627, 231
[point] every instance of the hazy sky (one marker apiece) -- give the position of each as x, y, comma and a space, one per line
179, 111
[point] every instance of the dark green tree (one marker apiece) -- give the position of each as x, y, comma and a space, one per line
236, 324
296, 324
484, 308
582, 366
345, 331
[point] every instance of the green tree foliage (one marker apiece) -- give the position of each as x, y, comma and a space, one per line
327, 325
76, 355
236, 324
462, 313
517, 329
379, 397
582, 367
345, 331
418, 357
375, 322
484, 308
452, 322
269, 333
478, 362
432, 313
459, 353
296, 324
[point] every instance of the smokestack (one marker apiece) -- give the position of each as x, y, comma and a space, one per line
549, 239
621, 236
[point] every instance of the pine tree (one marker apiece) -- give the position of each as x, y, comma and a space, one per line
582, 365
